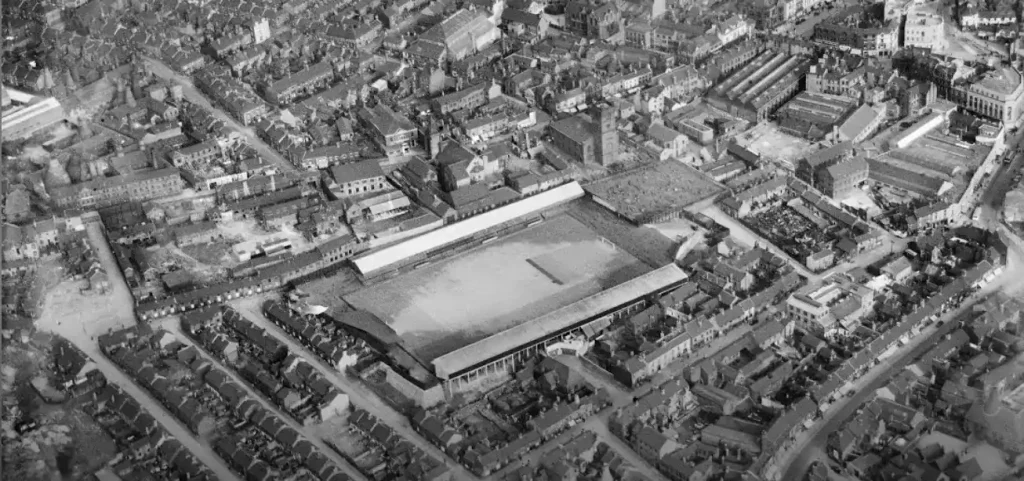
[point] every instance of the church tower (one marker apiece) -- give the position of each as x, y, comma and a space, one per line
606, 134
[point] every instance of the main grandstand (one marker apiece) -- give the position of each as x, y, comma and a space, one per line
754, 91
389, 260
494, 358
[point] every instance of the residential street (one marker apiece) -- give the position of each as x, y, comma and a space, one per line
201, 449
749, 238
193, 95
173, 325
81, 318
810, 444
358, 394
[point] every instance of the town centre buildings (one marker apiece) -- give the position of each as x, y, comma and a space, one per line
494, 358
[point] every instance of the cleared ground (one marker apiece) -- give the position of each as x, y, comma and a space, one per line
80, 317
767, 140
448, 305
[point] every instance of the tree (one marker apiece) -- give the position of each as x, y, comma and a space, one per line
957, 14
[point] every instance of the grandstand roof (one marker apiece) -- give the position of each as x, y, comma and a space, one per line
394, 254
451, 364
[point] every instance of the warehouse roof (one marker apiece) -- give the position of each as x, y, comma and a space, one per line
394, 254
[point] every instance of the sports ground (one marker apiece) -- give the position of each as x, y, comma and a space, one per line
450, 304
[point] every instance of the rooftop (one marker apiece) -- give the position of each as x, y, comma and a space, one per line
454, 363
1003, 80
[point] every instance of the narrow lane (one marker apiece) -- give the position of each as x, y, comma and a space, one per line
200, 449
807, 445
193, 95
171, 325
358, 395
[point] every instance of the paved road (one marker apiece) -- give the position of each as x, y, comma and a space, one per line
200, 449
358, 394
193, 95
648, 472
809, 444
172, 324
992, 199
97, 315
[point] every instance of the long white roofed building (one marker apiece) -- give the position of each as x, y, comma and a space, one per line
494, 358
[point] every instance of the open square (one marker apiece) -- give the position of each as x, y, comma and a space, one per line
445, 306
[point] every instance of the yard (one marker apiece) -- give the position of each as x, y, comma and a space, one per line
171, 256
767, 140
239, 230
80, 317
447, 305
792, 232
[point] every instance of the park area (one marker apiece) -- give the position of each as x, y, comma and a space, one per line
444, 306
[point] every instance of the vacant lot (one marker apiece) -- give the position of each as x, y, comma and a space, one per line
660, 188
444, 306
248, 230
767, 140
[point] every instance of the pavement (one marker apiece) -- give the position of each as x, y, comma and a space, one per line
808, 446
359, 395
201, 449
598, 424
173, 325
81, 318
193, 95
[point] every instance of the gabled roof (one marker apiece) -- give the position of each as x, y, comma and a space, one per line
356, 171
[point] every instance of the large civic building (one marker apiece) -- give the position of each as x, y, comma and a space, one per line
996, 93
462, 34
860, 28
495, 358
589, 141
761, 86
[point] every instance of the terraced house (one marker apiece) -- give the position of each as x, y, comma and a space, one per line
304, 83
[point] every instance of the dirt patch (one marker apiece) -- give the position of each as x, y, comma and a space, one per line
234, 231
81, 316
173, 258
211, 254
773, 144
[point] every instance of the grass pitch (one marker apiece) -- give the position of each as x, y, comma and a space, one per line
445, 306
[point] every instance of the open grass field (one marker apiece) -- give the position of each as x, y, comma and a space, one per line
448, 305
